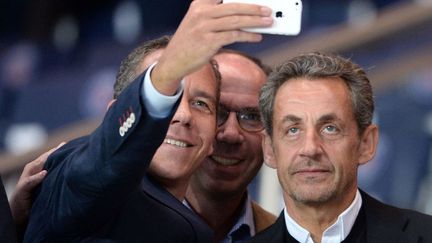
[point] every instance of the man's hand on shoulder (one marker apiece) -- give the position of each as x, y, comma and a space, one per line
32, 175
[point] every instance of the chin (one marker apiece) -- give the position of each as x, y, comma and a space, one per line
165, 173
313, 195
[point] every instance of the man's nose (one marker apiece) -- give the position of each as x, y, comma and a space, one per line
230, 131
183, 114
312, 144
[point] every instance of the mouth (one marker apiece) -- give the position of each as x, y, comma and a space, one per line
225, 161
177, 143
312, 172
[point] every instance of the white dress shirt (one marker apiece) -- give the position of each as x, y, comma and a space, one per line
246, 220
337, 232
157, 104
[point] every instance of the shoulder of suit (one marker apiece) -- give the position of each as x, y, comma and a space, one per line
371, 202
274, 233
257, 209
389, 216
262, 217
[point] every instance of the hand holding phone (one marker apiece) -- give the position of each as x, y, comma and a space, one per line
286, 16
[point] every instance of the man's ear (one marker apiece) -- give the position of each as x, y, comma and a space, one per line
111, 103
269, 157
368, 144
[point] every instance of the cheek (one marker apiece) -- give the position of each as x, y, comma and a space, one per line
254, 145
208, 132
211, 132
345, 165
285, 154
205, 122
287, 161
284, 165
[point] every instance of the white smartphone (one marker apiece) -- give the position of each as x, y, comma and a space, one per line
286, 16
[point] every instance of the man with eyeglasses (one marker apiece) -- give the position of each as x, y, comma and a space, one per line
101, 189
218, 189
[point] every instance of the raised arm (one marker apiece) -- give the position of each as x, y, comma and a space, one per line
93, 175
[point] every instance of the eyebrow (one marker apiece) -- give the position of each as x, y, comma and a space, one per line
325, 118
250, 108
236, 108
291, 118
203, 94
328, 117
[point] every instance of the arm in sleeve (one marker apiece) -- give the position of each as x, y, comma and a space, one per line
92, 176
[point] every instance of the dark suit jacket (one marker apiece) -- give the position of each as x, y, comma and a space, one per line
7, 227
96, 191
384, 224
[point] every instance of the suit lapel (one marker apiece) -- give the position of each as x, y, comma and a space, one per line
278, 231
384, 223
159, 193
202, 232
262, 218
154, 190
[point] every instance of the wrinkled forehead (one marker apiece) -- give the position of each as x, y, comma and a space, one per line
236, 66
313, 98
242, 80
202, 83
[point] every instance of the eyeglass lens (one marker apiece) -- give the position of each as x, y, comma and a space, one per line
249, 119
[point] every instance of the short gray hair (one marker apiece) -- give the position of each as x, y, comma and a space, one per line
318, 65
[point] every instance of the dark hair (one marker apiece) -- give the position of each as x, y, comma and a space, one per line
128, 68
218, 77
266, 69
318, 65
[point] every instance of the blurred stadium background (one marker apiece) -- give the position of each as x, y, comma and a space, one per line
58, 61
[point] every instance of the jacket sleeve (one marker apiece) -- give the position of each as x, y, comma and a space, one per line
89, 179
7, 227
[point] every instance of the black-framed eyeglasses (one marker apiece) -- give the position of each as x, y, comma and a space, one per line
249, 119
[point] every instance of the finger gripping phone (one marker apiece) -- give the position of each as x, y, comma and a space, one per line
286, 16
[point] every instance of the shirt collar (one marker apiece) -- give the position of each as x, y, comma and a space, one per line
245, 220
337, 232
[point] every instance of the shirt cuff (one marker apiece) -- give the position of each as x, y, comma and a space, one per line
158, 105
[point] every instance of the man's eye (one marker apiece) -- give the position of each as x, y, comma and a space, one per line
293, 130
200, 104
330, 129
250, 116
